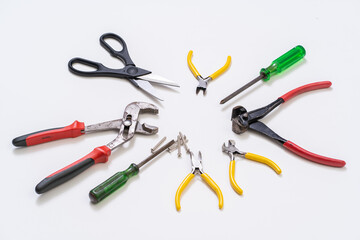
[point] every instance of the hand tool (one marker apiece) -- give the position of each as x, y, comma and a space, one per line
179, 146
197, 168
127, 127
277, 66
232, 151
243, 120
175, 145
120, 178
203, 82
183, 140
139, 77
158, 144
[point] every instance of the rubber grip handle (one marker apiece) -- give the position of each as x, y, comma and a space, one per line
312, 156
113, 183
73, 130
192, 67
305, 88
222, 69
233, 183
181, 188
214, 187
98, 155
283, 62
264, 160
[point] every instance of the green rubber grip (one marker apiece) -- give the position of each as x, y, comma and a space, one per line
283, 62
113, 183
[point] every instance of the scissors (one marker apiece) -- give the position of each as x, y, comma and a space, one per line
139, 77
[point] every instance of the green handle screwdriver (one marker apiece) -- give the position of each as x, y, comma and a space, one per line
119, 179
277, 66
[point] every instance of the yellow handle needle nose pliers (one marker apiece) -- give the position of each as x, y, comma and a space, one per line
203, 82
232, 151
197, 168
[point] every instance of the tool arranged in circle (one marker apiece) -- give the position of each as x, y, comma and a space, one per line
203, 82
119, 179
232, 151
242, 120
127, 126
139, 77
197, 169
277, 66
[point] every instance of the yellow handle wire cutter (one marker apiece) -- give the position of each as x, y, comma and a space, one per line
232, 151
203, 82
197, 168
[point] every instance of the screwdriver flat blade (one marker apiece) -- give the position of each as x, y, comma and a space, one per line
242, 89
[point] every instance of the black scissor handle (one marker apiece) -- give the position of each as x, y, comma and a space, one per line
123, 55
99, 69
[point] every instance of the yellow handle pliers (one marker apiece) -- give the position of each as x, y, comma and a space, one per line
203, 82
197, 168
232, 151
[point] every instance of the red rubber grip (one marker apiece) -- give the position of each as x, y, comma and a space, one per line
305, 88
73, 130
99, 155
312, 156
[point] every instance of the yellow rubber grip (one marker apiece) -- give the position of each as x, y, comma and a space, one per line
181, 188
264, 160
214, 187
191, 65
221, 70
232, 178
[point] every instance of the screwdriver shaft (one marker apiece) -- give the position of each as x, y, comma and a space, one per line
242, 89
157, 152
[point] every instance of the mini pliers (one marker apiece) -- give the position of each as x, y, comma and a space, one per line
127, 126
242, 120
203, 82
232, 151
197, 168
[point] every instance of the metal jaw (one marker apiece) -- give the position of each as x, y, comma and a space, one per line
232, 151
196, 164
203, 82
130, 125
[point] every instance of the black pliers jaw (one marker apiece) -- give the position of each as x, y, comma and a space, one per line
242, 120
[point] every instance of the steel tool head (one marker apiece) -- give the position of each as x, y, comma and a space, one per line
202, 84
130, 124
239, 118
231, 150
196, 163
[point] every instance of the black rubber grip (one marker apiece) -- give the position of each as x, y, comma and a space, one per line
63, 176
21, 141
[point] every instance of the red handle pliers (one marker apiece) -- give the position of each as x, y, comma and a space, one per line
126, 126
243, 120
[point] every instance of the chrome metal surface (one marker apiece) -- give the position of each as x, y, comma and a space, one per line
179, 146
175, 145
147, 87
196, 163
162, 149
109, 125
232, 151
183, 141
158, 144
203, 82
158, 80
131, 115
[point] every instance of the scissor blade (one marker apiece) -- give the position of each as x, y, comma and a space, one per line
147, 87
158, 79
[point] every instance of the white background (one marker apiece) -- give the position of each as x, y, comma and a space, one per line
308, 201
